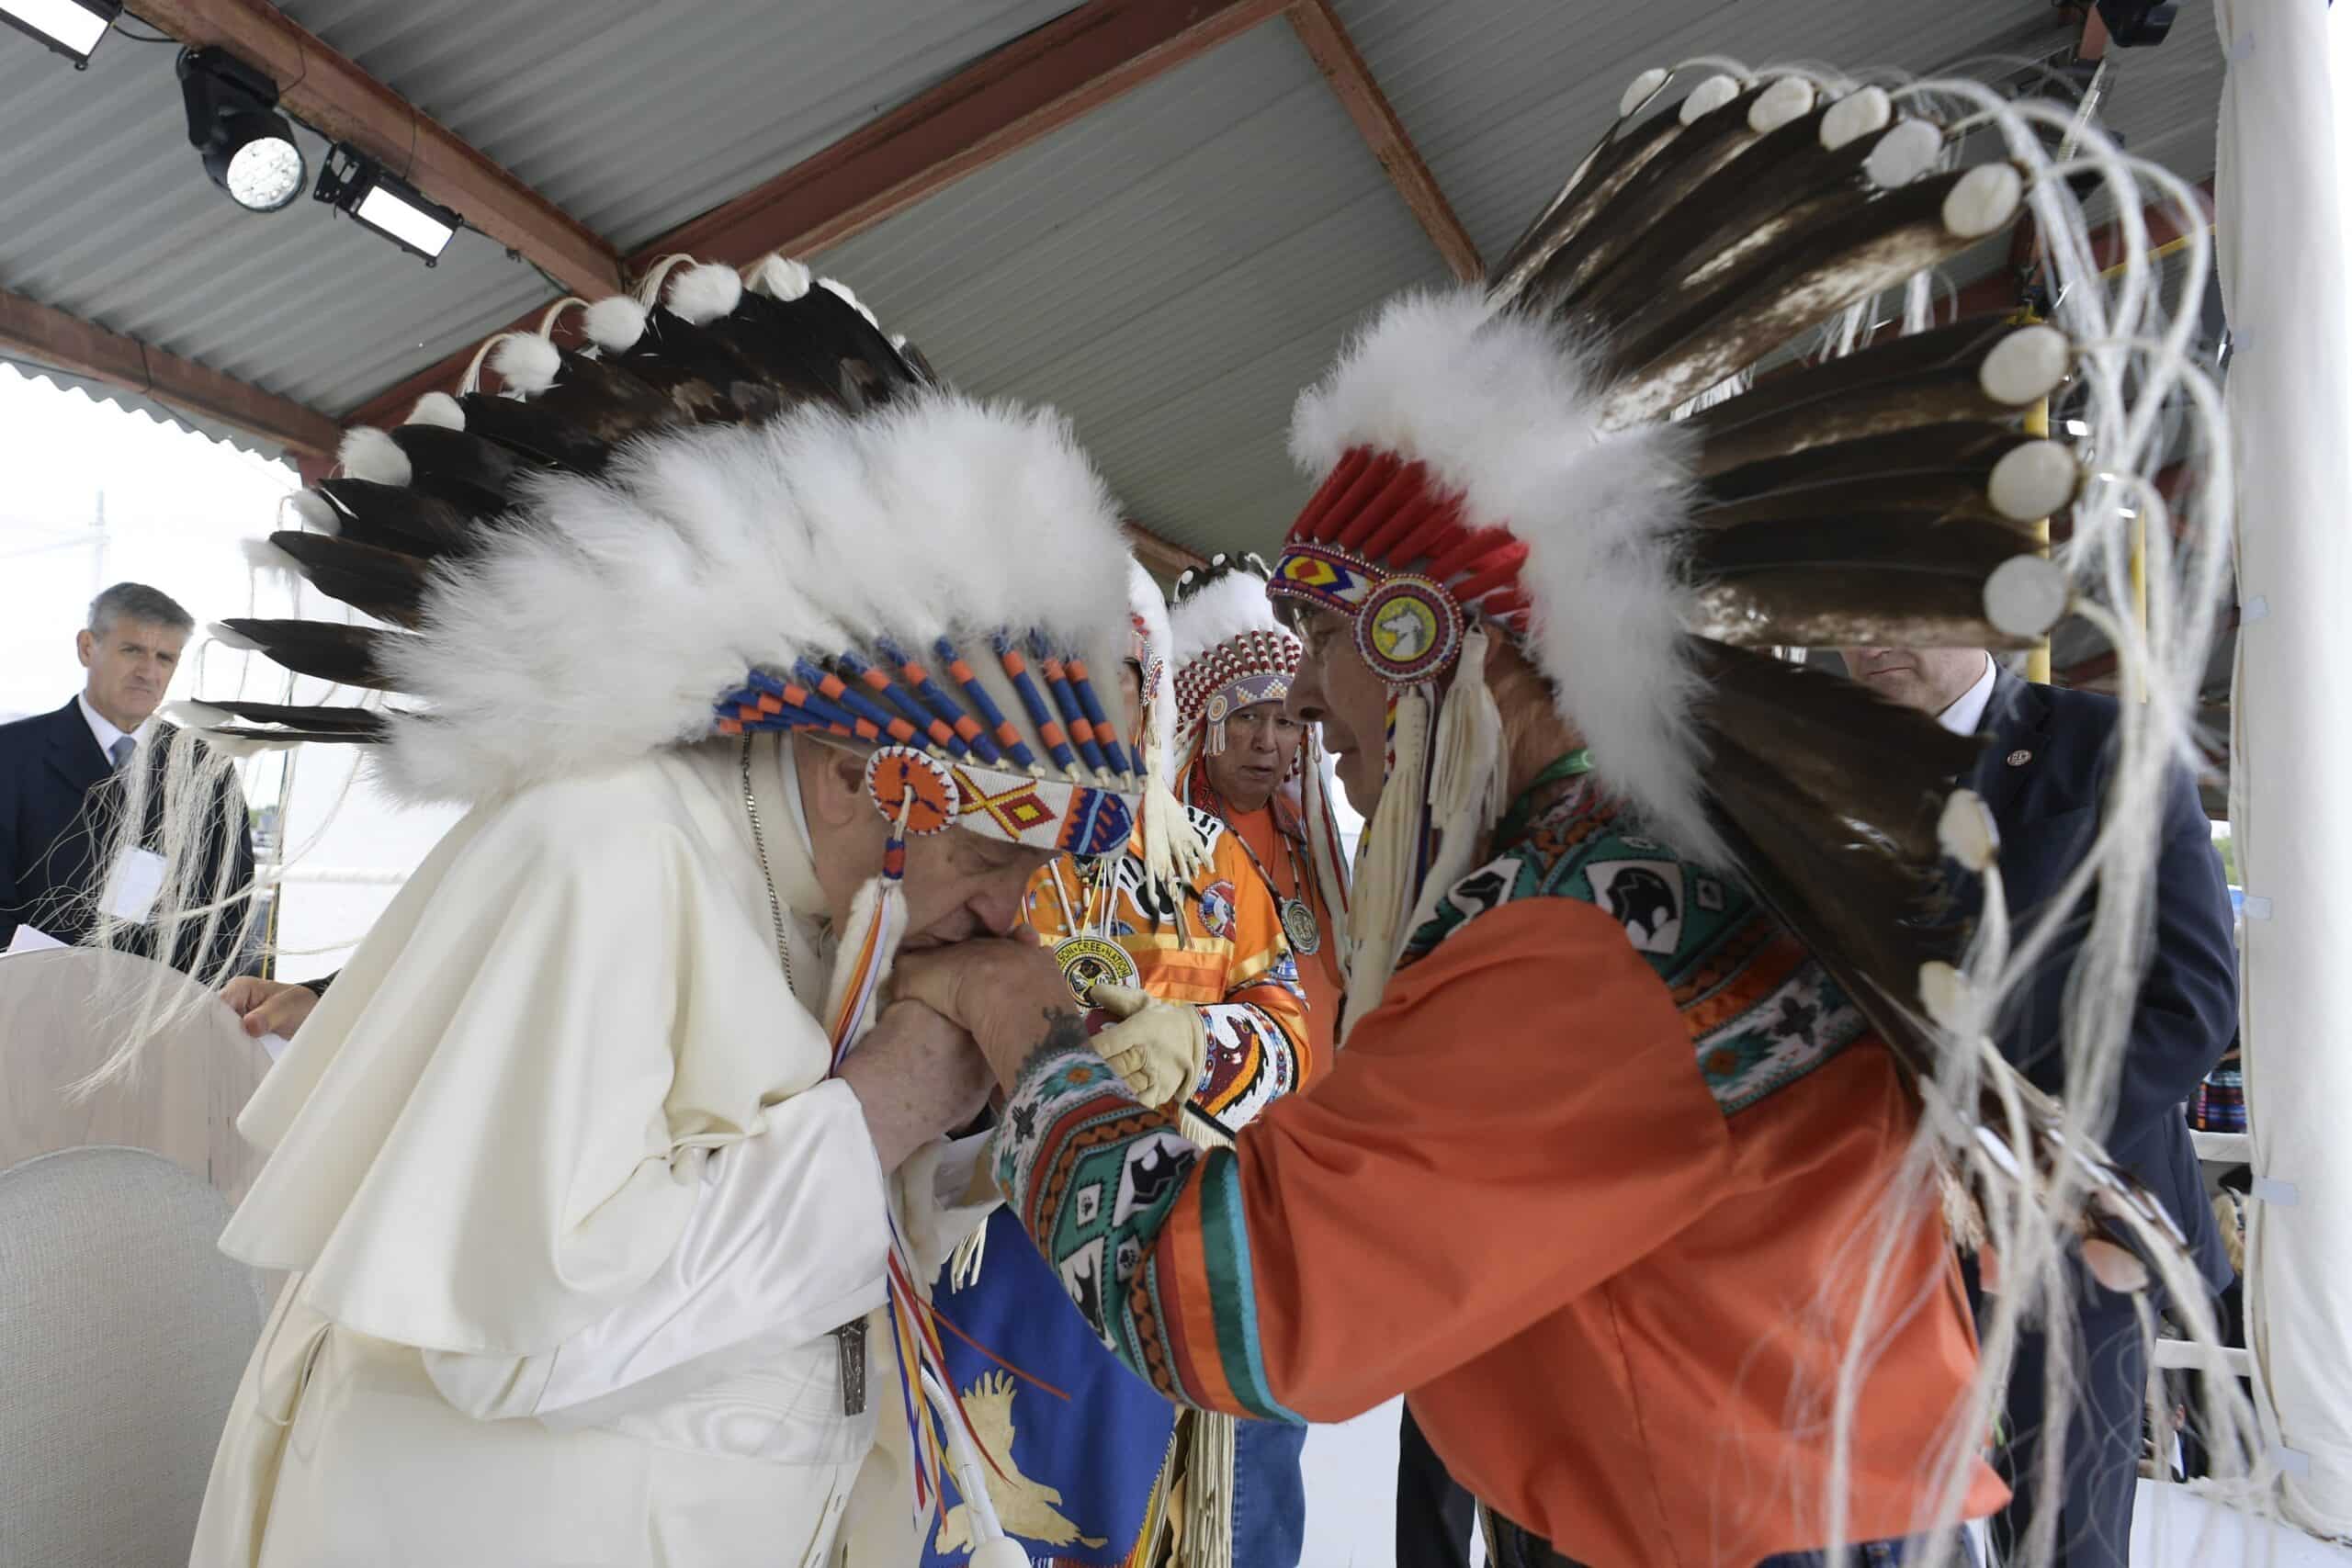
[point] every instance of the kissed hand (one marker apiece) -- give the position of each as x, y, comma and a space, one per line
1003, 992
917, 1077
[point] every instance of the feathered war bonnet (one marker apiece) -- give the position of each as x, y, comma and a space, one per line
739, 507
1509, 462
1232, 652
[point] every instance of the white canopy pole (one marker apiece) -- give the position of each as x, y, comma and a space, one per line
2285, 283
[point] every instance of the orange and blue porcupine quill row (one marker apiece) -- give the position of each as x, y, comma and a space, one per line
1063, 709
1058, 783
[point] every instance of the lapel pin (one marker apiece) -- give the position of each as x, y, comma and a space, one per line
2020, 759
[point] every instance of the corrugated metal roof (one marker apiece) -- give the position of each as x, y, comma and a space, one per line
632, 117
1170, 271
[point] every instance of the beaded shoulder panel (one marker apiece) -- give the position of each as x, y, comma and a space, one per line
1762, 1011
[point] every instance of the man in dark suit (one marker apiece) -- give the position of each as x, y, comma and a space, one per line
2044, 776
63, 776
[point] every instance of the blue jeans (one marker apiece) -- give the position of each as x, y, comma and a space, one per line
1268, 1494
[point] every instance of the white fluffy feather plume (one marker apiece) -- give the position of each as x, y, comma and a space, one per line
1503, 409
1228, 607
1145, 602
367, 453
606, 621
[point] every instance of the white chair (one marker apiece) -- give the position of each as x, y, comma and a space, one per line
61, 1014
123, 1333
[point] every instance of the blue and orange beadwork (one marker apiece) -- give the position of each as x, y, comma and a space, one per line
965, 762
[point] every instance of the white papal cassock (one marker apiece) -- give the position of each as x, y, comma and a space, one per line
571, 1212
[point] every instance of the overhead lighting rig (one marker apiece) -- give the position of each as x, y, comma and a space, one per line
352, 182
70, 28
248, 147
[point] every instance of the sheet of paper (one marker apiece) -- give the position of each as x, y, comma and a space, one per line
130, 891
32, 939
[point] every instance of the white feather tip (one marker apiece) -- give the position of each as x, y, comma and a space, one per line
706, 292
613, 324
312, 510
778, 277
1966, 831
1904, 153
2026, 365
263, 556
2026, 596
1983, 200
2033, 480
192, 714
1708, 97
438, 408
1640, 90
1943, 992
1858, 113
1790, 97
367, 453
526, 364
228, 638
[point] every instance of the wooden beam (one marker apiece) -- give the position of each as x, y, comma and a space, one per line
991, 109
52, 337
1161, 557
340, 101
1351, 79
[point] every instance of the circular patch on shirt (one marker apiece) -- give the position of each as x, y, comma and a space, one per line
1300, 926
1409, 630
904, 781
1087, 962
1217, 907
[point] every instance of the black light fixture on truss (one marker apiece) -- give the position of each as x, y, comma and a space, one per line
2137, 23
248, 147
71, 28
352, 182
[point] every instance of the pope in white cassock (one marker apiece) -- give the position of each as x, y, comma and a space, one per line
587, 1223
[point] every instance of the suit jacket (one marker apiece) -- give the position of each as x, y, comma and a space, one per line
55, 786
2046, 802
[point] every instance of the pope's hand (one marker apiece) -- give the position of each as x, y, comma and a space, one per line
1160, 1048
917, 1077
1008, 994
269, 1007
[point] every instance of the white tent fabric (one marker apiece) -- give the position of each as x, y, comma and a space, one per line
2288, 291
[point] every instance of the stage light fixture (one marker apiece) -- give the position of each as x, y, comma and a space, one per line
352, 182
248, 149
70, 28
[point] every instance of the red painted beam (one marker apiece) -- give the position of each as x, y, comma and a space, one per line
991, 109
1319, 29
69, 342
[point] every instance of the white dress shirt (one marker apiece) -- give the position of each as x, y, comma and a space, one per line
104, 729
1967, 710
